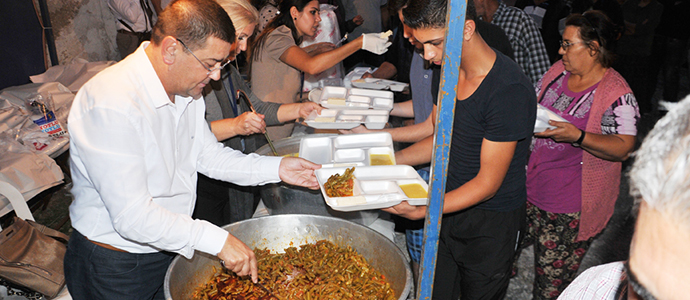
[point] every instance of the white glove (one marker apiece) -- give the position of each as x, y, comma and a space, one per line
376, 43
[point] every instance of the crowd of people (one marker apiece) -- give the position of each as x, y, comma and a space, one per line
178, 168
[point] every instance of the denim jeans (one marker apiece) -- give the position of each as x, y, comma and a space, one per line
93, 272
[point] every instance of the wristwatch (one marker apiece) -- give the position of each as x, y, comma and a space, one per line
578, 143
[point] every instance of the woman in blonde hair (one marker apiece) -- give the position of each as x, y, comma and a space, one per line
234, 124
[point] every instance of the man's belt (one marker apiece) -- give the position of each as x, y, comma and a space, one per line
106, 246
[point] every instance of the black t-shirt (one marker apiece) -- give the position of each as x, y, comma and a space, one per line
502, 109
495, 37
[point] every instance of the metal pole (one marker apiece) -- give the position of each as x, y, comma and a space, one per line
48, 30
455, 19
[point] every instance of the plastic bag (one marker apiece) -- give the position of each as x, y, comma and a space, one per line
42, 115
328, 32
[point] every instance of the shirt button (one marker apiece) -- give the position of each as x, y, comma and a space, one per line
426, 76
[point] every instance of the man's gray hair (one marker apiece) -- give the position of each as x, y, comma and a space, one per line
660, 174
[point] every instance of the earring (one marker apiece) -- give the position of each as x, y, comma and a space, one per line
294, 19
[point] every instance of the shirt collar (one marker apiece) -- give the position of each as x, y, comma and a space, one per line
149, 78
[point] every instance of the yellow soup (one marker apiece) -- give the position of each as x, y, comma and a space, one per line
414, 190
380, 159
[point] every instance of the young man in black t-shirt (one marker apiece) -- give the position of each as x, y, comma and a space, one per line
484, 205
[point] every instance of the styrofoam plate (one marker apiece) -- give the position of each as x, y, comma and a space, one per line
375, 187
543, 116
346, 150
379, 84
343, 98
348, 118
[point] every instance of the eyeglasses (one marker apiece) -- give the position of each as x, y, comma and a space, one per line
210, 71
565, 45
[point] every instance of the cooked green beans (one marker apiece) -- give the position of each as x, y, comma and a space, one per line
314, 271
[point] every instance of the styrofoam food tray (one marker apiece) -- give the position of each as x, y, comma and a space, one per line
344, 98
543, 116
346, 150
348, 118
379, 84
374, 187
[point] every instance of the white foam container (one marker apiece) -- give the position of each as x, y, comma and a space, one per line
348, 118
332, 97
346, 150
379, 84
375, 187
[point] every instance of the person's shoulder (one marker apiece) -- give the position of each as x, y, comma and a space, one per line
113, 88
508, 68
281, 33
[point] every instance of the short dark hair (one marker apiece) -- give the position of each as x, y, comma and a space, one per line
594, 25
432, 13
193, 22
396, 5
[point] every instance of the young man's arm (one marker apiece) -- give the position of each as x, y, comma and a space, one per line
494, 163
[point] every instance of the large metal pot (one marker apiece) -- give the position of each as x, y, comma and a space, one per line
279, 232
281, 198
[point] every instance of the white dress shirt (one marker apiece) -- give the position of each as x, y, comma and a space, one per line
596, 283
134, 162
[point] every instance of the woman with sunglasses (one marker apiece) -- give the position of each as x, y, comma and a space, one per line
574, 171
277, 61
234, 124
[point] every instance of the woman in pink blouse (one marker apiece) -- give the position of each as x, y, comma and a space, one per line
574, 171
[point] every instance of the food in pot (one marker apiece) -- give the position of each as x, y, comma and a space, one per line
340, 185
314, 271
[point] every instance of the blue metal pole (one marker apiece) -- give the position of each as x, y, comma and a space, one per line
455, 19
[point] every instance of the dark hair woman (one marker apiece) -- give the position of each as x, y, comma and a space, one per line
277, 60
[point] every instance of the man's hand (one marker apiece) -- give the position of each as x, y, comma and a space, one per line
407, 211
358, 20
298, 171
358, 129
237, 257
249, 123
307, 107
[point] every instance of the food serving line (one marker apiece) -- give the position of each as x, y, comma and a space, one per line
374, 186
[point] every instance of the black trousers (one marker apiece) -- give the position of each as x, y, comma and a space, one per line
475, 253
223, 203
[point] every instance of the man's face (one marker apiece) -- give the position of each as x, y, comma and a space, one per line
407, 31
192, 74
432, 40
659, 259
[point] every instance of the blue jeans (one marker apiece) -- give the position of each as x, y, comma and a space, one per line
93, 272
415, 237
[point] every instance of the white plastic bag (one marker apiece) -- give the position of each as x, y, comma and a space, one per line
328, 32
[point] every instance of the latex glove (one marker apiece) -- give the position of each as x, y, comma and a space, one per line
376, 43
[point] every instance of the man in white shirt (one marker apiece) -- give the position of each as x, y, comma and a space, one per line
138, 138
